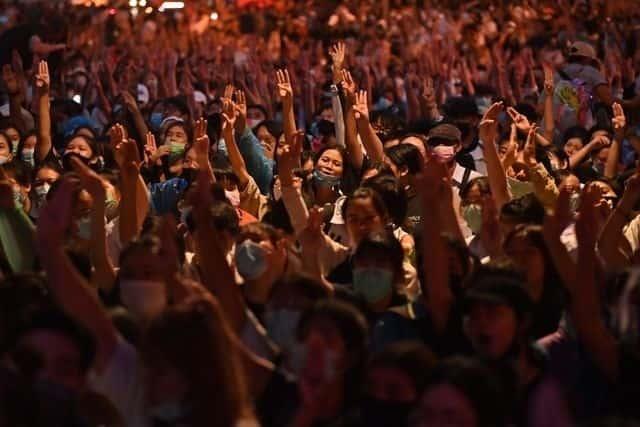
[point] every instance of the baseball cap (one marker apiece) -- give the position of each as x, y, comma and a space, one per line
446, 131
583, 50
499, 291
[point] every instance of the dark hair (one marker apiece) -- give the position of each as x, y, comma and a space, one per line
478, 384
525, 209
95, 147
598, 127
482, 182
258, 107
352, 326
273, 127
406, 156
55, 321
224, 217
19, 170
258, 231
188, 129
575, 132
527, 110
366, 193
226, 173
411, 357
458, 107
561, 174
384, 245
393, 195
147, 243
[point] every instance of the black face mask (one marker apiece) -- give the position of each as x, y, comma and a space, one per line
68, 166
382, 413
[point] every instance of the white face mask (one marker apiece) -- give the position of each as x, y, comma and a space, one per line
145, 299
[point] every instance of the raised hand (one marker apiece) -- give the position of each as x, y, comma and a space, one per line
489, 124
117, 134
90, 180
619, 121
557, 221
228, 92
228, 115
361, 106
588, 218
241, 110
129, 101
349, 86
201, 145
43, 80
337, 53
529, 151
521, 121
435, 184
56, 217
285, 90
290, 157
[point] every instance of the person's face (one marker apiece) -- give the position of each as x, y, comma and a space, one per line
30, 142
443, 405
571, 183
491, 328
255, 115
474, 195
267, 141
176, 135
362, 219
527, 258
416, 142
327, 114
390, 384
572, 146
59, 358
143, 264
80, 147
330, 163
46, 175
5, 147
13, 134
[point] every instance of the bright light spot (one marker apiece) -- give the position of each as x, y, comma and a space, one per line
148, 10
112, 11
214, 16
77, 99
142, 3
134, 12
171, 5
133, 3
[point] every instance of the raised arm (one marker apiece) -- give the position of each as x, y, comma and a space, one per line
69, 288
354, 149
215, 271
372, 143
237, 162
104, 275
548, 102
132, 107
43, 81
496, 173
619, 123
555, 222
585, 305
285, 92
438, 297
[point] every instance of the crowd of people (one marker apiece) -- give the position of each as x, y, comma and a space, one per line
386, 213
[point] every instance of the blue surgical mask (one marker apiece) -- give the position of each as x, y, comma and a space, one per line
324, 180
156, 121
28, 155
472, 214
281, 326
251, 260
84, 228
373, 283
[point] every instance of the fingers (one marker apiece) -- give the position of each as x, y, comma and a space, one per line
531, 137
80, 168
513, 113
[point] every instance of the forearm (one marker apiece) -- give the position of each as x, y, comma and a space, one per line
371, 142
613, 157
351, 139
15, 112
235, 158
44, 143
142, 202
104, 275
496, 175
544, 186
579, 156
128, 209
336, 106
611, 239
289, 119
296, 208
548, 117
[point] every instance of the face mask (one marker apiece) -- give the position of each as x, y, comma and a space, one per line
4, 159
233, 197
84, 228
145, 299
472, 214
28, 155
176, 151
251, 260
374, 284
383, 413
443, 153
324, 180
281, 325
156, 121
253, 122
382, 104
